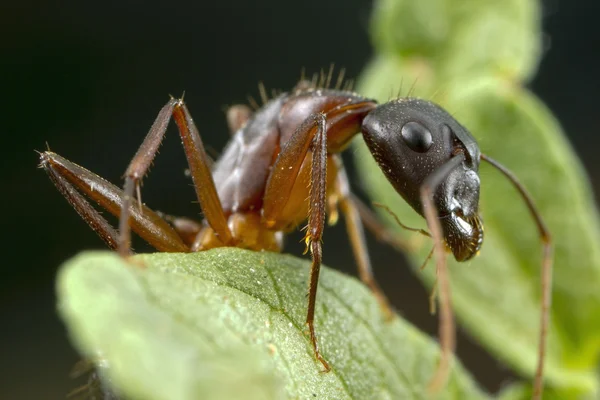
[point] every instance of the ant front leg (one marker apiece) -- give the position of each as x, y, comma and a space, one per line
447, 331
186, 228
280, 183
546, 273
199, 169
378, 229
356, 234
71, 179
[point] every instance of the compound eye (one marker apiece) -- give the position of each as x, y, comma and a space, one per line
417, 137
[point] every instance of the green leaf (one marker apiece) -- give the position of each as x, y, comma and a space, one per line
229, 323
461, 37
496, 296
472, 56
524, 391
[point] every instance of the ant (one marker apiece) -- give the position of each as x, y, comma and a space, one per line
97, 385
283, 167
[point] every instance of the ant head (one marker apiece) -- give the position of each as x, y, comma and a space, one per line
411, 139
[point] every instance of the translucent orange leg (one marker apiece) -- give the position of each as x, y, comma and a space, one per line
70, 179
447, 330
546, 274
198, 162
280, 183
356, 234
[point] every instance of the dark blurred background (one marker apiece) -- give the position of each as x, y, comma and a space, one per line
90, 79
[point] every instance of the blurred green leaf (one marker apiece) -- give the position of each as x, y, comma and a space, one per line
229, 323
471, 57
496, 296
524, 391
461, 37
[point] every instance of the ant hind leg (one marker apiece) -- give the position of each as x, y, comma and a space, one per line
71, 179
198, 162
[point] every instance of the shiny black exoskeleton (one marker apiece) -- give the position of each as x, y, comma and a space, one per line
411, 139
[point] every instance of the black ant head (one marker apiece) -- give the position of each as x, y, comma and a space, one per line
411, 139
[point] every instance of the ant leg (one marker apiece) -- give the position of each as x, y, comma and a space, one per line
286, 167
546, 273
379, 230
356, 234
186, 228
237, 116
447, 333
70, 177
279, 185
96, 387
88, 213
199, 168
316, 224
